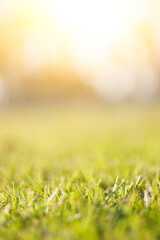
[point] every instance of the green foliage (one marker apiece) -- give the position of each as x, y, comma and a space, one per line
84, 173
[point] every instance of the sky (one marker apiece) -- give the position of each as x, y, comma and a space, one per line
104, 39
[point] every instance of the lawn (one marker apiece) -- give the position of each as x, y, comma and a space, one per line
80, 172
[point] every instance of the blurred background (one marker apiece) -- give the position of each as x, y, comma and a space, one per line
53, 50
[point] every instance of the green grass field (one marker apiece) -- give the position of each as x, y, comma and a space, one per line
76, 172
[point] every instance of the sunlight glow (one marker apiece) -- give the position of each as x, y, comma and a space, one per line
90, 20
111, 44
95, 27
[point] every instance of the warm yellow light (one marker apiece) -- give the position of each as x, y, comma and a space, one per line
95, 20
94, 26
103, 39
